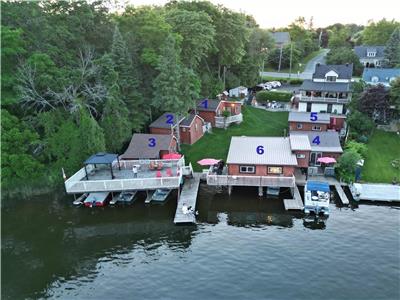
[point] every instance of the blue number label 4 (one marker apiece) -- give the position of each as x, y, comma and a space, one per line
316, 140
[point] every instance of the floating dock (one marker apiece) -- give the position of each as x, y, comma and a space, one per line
188, 196
341, 193
376, 192
296, 203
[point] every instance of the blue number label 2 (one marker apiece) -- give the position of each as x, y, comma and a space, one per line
313, 116
152, 142
170, 119
205, 103
316, 140
260, 150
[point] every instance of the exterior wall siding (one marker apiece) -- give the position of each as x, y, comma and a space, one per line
307, 126
155, 130
303, 162
261, 170
190, 135
302, 106
338, 108
208, 116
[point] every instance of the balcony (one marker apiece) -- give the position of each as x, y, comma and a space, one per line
224, 122
99, 179
324, 99
242, 180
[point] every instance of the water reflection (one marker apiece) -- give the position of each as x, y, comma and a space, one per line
315, 222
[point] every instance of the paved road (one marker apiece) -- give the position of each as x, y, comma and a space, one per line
308, 70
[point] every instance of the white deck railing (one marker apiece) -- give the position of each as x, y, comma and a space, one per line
225, 121
324, 99
75, 184
241, 180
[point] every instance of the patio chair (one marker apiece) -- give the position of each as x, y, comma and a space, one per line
169, 172
159, 166
158, 174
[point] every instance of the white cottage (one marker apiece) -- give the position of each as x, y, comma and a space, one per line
239, 92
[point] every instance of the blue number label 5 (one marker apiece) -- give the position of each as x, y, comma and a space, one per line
313, 116
316, 140
260, 150
170, 119
152, 142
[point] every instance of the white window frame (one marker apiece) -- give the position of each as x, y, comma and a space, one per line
183, 129
299, 155
269, 170
316, 128
299, 126
331, 77
195, 127
247, 169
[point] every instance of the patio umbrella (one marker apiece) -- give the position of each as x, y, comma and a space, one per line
208, 161
172, 156
326, 160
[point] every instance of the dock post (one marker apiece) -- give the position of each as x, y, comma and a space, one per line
229, 190
260, 191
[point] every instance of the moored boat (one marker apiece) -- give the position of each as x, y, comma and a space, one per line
273, 191
79, 201
316, 197
160, 195
125, 197
96, 199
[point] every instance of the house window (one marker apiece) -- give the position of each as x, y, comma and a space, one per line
184, 129
274, 170
195, 127
375, 79
316, 128
300, 155
299, 126
331, 78
371, 54
247, 169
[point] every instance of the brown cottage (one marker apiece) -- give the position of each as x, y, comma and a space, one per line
305, 121
210, 109
190, 127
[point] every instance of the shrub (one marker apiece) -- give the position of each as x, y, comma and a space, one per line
296, 81
226, 113
360, 148
347, 164
264, 96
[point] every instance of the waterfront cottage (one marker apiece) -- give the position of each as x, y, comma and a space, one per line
190, 127
370, 56
149, 146
213, 111
380, 76
329, 90
305, 121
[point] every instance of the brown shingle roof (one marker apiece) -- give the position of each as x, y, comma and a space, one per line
139, 146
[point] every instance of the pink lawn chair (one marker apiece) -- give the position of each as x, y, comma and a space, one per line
169, 172
158, 174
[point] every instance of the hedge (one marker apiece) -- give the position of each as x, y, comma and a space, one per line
264, 96
293, 81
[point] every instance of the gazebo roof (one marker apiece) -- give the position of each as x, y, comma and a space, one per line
101, 158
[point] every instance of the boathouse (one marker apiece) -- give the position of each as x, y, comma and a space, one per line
149, 146
219, 113
190, 127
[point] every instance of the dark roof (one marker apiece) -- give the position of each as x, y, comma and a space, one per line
344, 71
281, 37
189, 119
361, 51
309, 85
211, 105
139, 146
165, 120
383, 75
101, 158
328, 140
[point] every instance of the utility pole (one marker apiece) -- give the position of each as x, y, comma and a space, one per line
224, 76
280, 59
291, 50
319, 39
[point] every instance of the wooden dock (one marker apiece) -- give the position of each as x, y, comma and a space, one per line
188, 196
341, 193
296, 203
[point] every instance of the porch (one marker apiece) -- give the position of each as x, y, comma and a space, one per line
224, 122
324, 99
99, 179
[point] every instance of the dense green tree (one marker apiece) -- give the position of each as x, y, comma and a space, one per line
392, 50
395, 95
347, 164
274, 56
339, 38
361, 125
379, 33
375, 102
344, 55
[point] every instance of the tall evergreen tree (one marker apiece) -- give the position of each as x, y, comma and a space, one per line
127, 80
90, 133
392, 50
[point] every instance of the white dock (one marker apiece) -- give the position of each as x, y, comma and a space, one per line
296, 203
376, 192
341, 193
188, 196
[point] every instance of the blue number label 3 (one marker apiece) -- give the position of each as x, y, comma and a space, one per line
152, 142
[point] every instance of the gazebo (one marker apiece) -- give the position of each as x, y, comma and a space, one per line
102, 158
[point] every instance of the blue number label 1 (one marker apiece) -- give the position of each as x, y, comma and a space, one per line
205, 103
313, 116
170, 119
316, 140
260, 150
152, 142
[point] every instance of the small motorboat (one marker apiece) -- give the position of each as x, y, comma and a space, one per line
160, 195
316, 198
273, 191
96, 199
79, 201
126, 197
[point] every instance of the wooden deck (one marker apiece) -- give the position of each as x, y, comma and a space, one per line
341, 193
189, 197
296, 203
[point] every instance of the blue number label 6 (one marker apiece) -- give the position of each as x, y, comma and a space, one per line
205, 103
152, 142
316, 140
260, 150
313, 116
170, 119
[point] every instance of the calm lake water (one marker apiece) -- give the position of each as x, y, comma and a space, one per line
243, 247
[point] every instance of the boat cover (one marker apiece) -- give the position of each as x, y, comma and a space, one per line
317, 186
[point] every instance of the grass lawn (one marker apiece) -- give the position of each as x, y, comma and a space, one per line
256, 122
295, 66
383, 147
